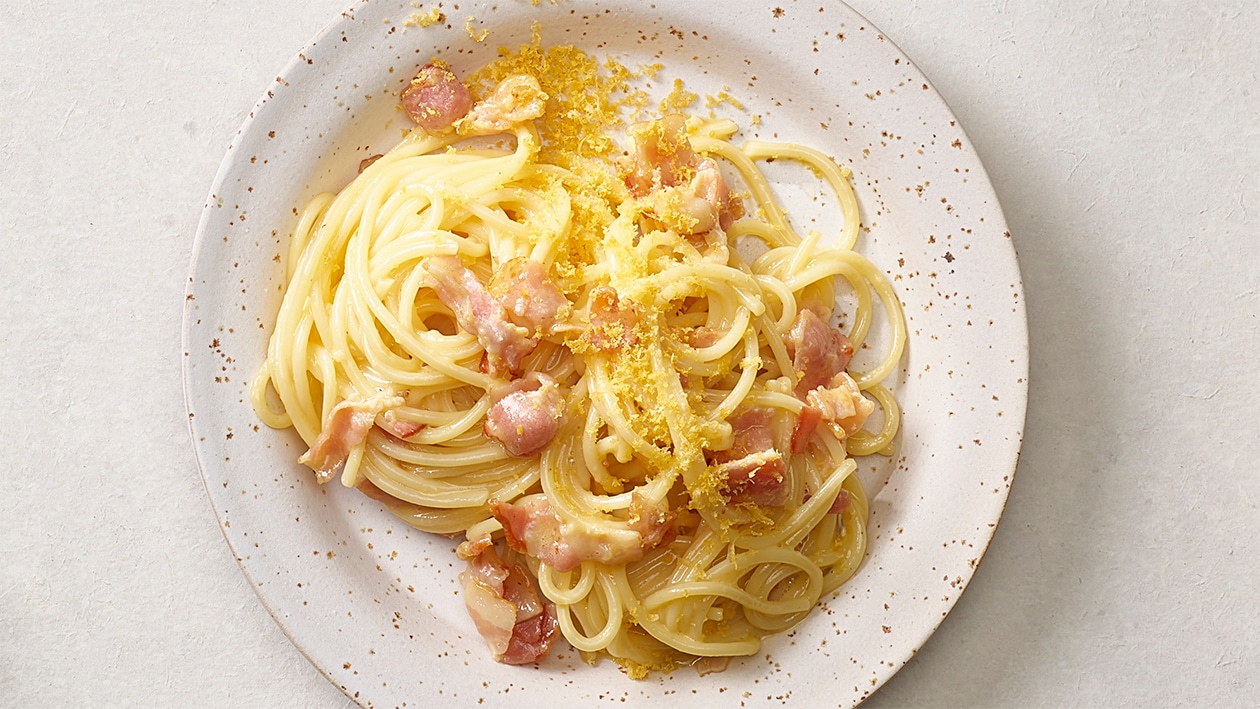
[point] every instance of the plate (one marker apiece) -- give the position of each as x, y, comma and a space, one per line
373, 603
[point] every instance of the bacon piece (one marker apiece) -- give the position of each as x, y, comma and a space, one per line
435, 98
701, 336
365, 163
532, 527
505, 606
703, 205
712, 245
756, 477
661, 155
398, 427
479, 313
369, 490
819, 352
841, 503
653, 523
529, 522
526, 414
611, 323
711, 186
709, 665
470, 548
708, 191
348, 425
518, 589
688, 194
532, 638
752, 430
488, 568
493, 615
516, 99
806, 423
752, 469
842, 406
523, 287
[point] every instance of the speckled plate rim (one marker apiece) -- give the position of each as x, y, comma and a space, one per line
904, 493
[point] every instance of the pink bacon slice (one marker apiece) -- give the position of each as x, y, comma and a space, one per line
819, 352
526, 414
503, 602
753, 469
479, 313
348, 425
523, 287
435, 98
513, 101
532, 527
612, 321
841, 405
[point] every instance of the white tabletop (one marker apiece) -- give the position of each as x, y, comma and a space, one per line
1123, 141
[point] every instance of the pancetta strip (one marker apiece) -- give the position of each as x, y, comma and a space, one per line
660, 156
513, 101
526, 415
518, 625
524, 289
435, 98
479, 313
347, 426
612, 321
819, 352
841, 405
532, 527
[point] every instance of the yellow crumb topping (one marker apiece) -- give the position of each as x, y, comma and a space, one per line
424, 19
624, 242
588, 105
470, 27
678, 99
722, 97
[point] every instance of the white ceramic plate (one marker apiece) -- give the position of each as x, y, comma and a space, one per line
371, 602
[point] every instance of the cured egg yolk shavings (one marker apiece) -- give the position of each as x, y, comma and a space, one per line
528, 324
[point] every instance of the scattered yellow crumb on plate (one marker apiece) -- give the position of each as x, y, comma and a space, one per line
472, 31
424, 19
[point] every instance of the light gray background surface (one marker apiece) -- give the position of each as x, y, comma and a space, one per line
1123, 139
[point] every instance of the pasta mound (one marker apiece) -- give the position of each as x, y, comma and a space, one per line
518, 327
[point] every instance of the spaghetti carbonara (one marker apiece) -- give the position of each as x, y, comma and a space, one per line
513, 328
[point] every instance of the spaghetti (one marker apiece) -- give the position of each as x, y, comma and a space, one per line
508, 328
